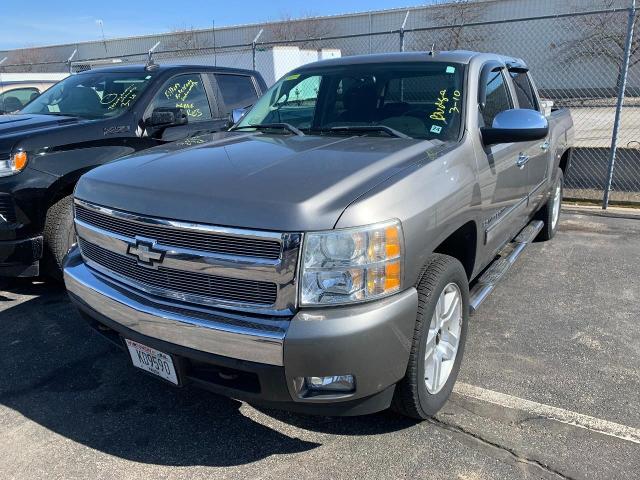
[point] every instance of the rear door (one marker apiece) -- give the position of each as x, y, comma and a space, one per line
537, 152
507, 209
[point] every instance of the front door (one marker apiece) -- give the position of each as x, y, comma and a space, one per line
187, 91
506, 212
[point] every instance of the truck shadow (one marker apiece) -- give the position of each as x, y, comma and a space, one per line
60, 374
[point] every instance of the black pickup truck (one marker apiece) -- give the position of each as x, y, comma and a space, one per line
87, 120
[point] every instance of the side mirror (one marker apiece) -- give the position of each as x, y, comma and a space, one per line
236, 115
168, 117
518, 125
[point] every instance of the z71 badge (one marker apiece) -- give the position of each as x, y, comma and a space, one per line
116, 130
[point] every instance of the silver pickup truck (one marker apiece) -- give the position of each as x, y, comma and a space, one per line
325, 254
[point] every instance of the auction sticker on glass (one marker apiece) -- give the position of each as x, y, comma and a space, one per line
152, 361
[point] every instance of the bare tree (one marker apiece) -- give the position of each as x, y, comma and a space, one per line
183, 38
453, 33
455, 16
303, 32
603, 36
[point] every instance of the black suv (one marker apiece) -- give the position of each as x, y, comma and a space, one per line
87, 120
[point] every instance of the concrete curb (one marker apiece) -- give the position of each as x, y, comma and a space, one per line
612, 212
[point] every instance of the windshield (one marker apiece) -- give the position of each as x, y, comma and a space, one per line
91, 95
419, 100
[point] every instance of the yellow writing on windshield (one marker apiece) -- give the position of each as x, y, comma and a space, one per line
441, 107
180, 91
120, 100
456, 99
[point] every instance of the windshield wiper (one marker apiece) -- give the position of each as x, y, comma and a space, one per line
271, 126
369, 128
59, 114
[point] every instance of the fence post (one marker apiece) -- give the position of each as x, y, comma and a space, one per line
253, 48
621, 92
70, 59
404, 24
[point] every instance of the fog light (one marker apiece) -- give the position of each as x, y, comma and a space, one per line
333, 384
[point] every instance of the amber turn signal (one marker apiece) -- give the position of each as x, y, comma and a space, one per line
19, 160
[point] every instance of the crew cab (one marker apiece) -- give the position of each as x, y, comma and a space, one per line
87, 120
325, 254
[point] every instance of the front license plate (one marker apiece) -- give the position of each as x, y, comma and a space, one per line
152, 361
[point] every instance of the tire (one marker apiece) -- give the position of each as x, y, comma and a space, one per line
59, 236
548, 214
414, 397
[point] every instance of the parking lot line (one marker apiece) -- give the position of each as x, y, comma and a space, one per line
604, 427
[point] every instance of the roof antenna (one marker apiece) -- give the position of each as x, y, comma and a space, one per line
151, 65
433, 49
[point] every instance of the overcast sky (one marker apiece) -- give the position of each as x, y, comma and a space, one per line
29, 23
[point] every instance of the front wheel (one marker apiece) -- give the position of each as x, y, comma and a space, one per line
59, 236
438, 341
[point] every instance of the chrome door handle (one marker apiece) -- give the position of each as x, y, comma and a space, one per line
522, 160
545, 146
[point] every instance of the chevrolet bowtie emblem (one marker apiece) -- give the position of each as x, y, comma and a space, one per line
146, 254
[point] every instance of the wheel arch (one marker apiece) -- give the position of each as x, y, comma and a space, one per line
565, 161
462, 244
63, 186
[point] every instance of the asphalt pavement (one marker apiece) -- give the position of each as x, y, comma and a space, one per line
549, 388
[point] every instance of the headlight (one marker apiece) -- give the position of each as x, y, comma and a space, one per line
351, 265
14, 164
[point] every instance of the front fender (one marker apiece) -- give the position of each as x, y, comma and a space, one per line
432, 200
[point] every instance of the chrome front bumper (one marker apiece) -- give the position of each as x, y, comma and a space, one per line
370, 341
224, 335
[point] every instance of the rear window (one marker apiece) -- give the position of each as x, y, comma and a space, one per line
237, 91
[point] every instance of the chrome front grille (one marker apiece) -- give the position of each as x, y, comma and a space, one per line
192, 263
183, 237
190, 283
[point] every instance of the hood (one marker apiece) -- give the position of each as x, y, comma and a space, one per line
267, 182
24, 124
15, 129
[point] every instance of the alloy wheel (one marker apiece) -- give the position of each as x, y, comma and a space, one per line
443, 338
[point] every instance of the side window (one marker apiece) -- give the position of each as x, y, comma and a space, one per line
237, 91
305, 92
187, 92
524, 91
15, 99
294, 102
498, 98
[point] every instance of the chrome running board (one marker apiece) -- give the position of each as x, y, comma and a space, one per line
506, 258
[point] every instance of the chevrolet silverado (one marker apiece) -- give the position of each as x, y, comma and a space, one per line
325, 254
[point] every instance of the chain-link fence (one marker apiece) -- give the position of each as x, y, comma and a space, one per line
584, 60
